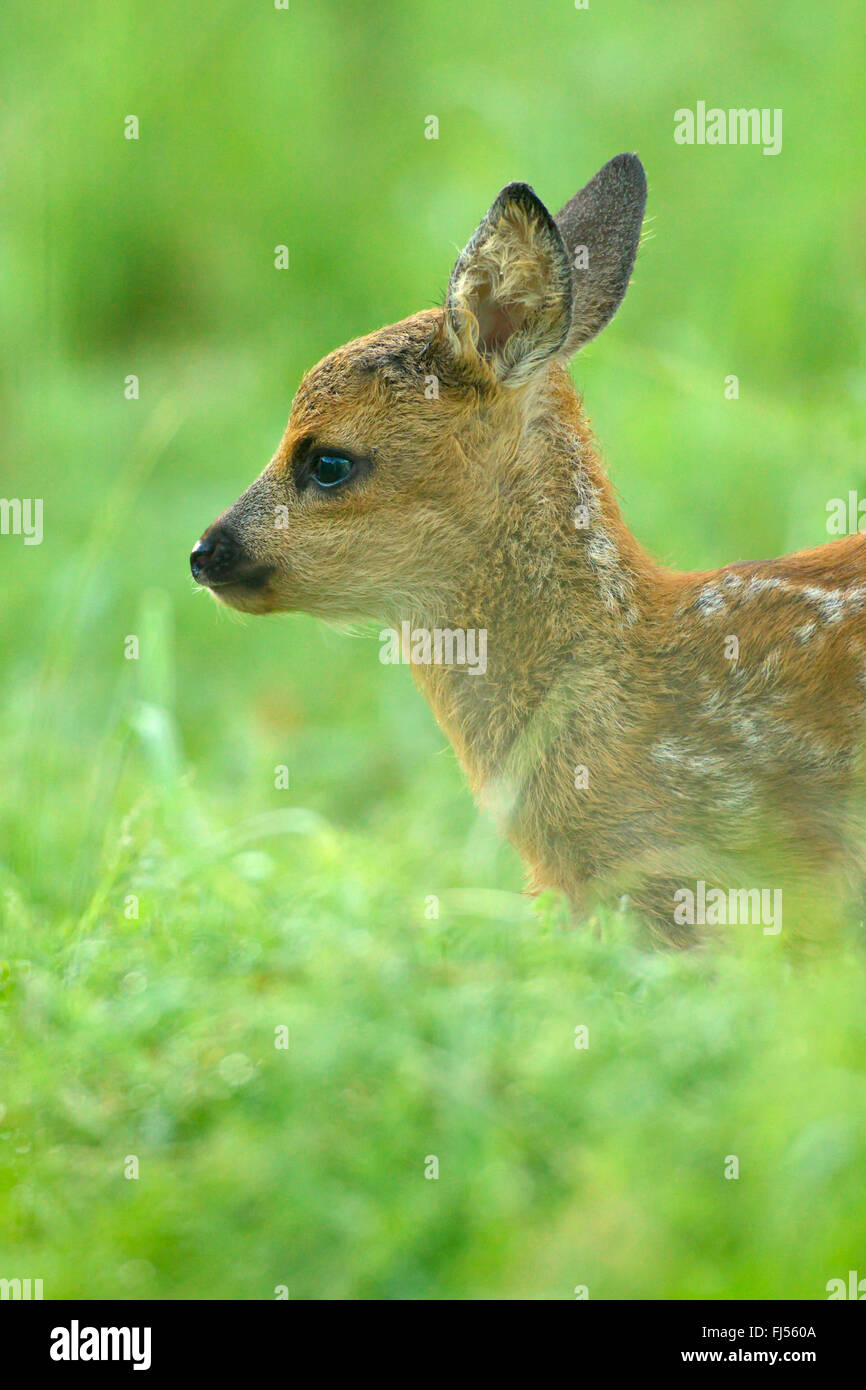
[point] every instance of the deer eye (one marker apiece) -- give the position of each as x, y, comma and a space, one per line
329, 470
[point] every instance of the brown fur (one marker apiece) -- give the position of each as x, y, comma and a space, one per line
698, 765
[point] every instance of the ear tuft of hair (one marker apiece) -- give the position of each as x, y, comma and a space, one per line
509, 296
601, 227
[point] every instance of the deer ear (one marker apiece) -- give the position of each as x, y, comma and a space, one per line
509, 297
601, 230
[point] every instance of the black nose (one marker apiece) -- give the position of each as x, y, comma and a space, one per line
215, 556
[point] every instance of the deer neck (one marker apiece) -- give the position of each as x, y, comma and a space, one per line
558, 590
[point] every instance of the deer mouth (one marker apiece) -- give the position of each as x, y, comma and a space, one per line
251, 594
248, 581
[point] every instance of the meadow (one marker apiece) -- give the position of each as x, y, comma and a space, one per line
239, 1052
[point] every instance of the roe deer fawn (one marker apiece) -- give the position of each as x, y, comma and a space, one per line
442, 472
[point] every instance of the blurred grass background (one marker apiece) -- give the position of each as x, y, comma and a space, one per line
305, 908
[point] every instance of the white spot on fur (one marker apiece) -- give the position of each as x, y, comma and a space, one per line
770, 664
711, 600
676, 753
762, 584
745, 727
615, 585
830, 602
833, 604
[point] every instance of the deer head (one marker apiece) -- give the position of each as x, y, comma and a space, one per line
411, 452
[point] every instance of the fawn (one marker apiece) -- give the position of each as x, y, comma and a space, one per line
634, 729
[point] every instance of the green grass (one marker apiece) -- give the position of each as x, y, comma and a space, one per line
409, 1035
